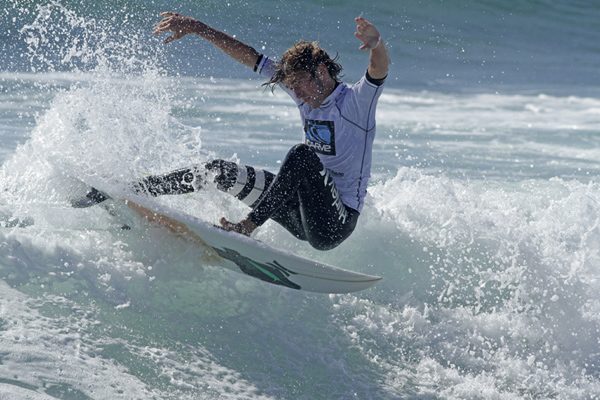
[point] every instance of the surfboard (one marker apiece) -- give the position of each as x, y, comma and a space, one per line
240, 253
253, 258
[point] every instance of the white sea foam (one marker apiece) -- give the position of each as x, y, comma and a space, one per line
482, 217
479, 274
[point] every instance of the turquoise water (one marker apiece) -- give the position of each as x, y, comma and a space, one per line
482, 214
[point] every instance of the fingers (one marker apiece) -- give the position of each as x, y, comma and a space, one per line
245, 227
362, 24
231, 226
168, 23
366, 33
162, 26
226, 224
165, 24
171, 22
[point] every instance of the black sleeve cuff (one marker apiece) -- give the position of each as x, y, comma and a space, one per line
258, 60
376, 82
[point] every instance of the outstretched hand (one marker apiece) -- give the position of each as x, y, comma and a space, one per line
179, 24
367, 33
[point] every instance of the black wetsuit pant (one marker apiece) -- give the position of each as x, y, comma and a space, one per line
302, 197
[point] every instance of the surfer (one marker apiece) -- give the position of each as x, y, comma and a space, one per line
319, 191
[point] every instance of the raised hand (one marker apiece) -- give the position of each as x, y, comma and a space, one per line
379, 61
179, 24
367, 33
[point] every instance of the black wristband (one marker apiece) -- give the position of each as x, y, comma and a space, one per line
258, 60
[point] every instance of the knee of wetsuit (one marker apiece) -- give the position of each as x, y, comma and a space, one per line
324, 240
226, 173
301, 154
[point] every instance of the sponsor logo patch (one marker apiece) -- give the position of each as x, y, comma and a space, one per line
320, 135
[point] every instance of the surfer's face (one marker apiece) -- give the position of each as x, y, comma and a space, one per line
312, 90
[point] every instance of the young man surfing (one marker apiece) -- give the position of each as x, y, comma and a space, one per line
319, 191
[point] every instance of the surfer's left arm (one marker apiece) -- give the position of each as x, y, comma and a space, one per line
379, 60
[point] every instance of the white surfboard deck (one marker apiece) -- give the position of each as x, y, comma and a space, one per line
251, 257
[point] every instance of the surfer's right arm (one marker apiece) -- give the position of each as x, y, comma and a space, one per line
181, 25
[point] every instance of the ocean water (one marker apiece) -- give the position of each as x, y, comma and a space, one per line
483, 213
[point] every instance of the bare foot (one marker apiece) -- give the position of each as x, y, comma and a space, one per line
245, 226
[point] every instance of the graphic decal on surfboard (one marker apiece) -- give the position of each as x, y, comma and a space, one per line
272, 272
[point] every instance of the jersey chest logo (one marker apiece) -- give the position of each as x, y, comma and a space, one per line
320, 135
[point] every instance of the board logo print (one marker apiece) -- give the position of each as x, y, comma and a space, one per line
320, 135
270, 272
